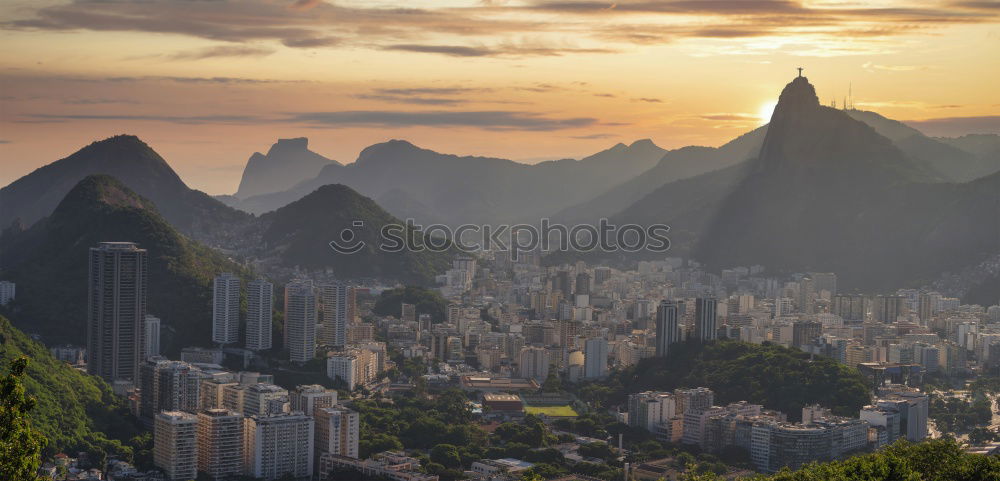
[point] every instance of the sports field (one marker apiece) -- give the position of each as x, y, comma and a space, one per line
554, 411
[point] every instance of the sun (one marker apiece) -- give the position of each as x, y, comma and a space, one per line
766, 109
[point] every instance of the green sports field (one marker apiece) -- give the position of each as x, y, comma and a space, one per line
553, 411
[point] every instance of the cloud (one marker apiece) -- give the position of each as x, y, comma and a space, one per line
310, 42
175, 119
483, 27
871, 67
410, 99
221, 51
595, 136
98, 101
489, 120
497, 51
730, 117
648, 100
957, 126
4, 141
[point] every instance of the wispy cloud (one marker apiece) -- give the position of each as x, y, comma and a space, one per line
730, 117
495, 51
221, 51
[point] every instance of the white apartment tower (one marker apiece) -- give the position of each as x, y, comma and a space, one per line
260, 303
278, 445
336, 299
337, 432
220, 443
116, 310
300, 321
152, 343
226, 309
175, 445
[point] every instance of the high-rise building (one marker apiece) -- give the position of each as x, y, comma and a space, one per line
278, 445
116, 310
307, 398
166, 385
595, 358
260, 303
925, 307
805, 332
889, 308
338, 431
850, 307
300, 321
175, 445
336, 298
226, 309
705, 317
152, 332
696, 399
264, 399
667, 326
343, 366
582, 284
8, 291
408, 312
601, 275
533, 363
220, 443
647, 409
807, 295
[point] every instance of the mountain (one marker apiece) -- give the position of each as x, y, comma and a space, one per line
674, 165
300, 233
939, 157
49, 264
74, 411
828, 193
138, 166
985, 147
287, 163
470, 189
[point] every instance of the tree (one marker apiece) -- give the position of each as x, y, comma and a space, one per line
446, 455
20, 444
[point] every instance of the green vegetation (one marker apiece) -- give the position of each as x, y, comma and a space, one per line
300, 234
552, 411
954, 415
74, 411
428, 301
20, 443
774, 376
100, 208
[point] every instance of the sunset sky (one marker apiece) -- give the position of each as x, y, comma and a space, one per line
208, 82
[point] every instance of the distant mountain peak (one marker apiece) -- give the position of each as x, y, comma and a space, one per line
101, 190
643, 143
295, 144
798, 96
388, 149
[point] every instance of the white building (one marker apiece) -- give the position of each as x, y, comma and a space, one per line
595, 358
220, 443
175, 445
7, 292
264, 399
226, 309
278, 445
260, 303
300, 321
152, 337
338, 431
533, 363
343, 366
335, 302
307, 398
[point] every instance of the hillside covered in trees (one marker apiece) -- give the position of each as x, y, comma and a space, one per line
774, 376
74, 411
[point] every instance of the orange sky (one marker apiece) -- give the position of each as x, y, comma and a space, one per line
208, 83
